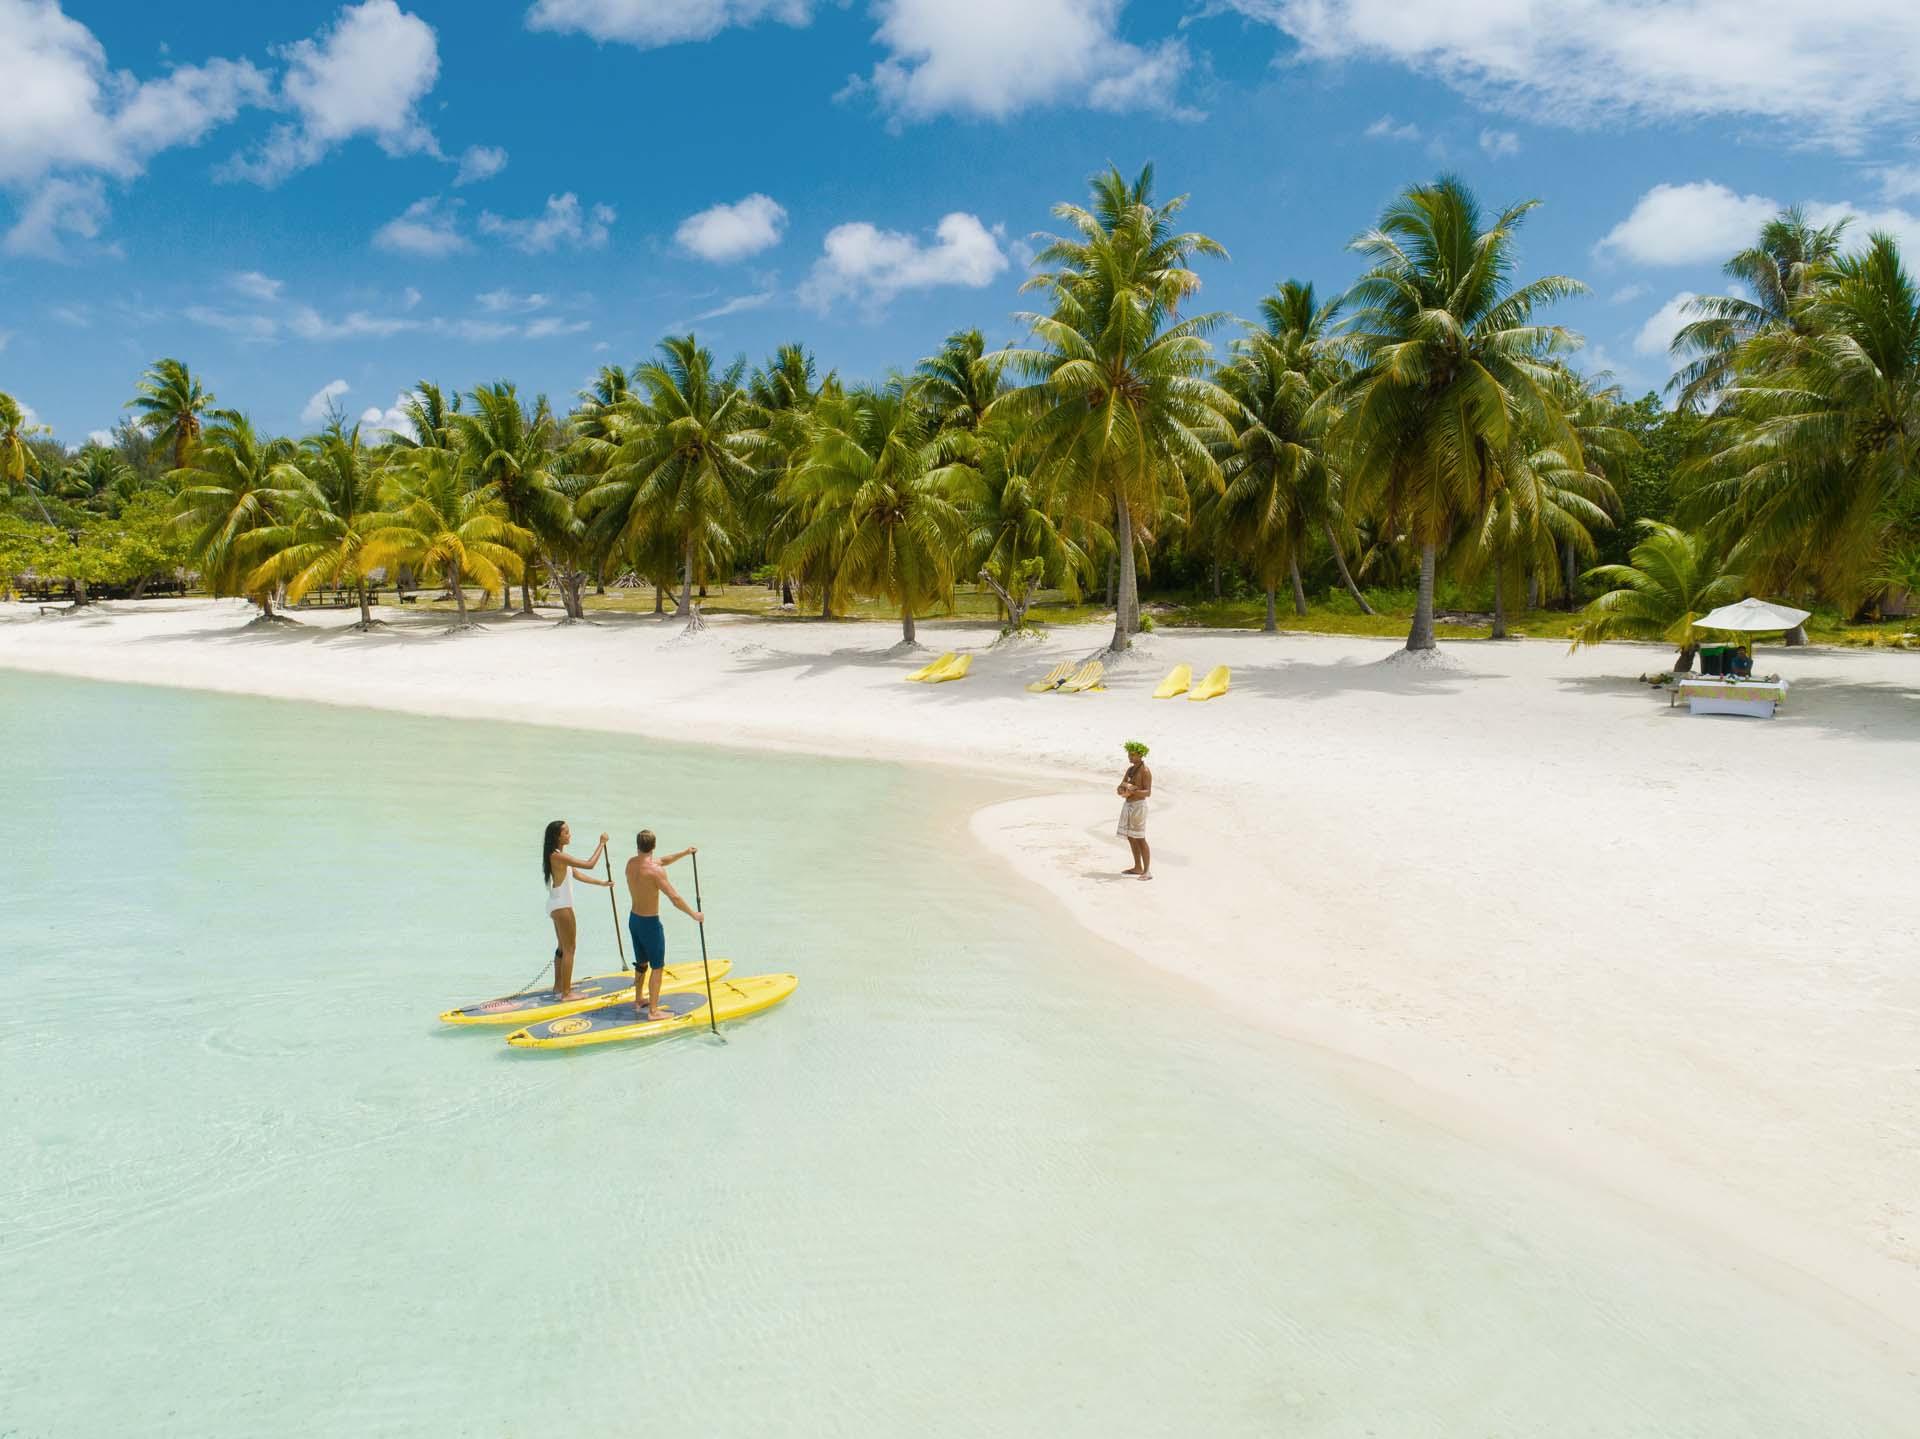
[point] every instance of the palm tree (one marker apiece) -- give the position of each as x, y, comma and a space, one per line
687, 466
784, 392
903, 531
510, 450
430, 416
1018, 536
1281, 476
959, 384
98, 479
18, 464
436, 523
1451, 364
1812, 461
1776, 274
1543, 502
1122, 405
329, 500
169, 402
1673, 578
227, 497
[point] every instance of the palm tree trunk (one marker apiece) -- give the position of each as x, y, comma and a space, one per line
685, 609
366, 611
1533, 586
1499, 601
1420, 637
1683, 662
659, 599
1340, 563
457, 584
1126, 607
266, 604
1299, 590
1568, 576
526, 592
906, 622
1272, 626
1216, 579
506, 594
786, 589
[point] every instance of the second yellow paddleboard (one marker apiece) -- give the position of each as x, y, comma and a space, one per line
611, 1023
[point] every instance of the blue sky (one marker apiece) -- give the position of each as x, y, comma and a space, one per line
304, 199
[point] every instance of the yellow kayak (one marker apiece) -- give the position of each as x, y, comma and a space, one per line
598, 989
612, 1023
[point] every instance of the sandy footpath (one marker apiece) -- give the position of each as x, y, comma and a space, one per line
1513, 891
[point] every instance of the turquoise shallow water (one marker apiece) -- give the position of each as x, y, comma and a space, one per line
980, 1176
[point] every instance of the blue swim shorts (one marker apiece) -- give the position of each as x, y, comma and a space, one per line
649, 940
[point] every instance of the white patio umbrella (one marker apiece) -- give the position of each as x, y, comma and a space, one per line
1752, 616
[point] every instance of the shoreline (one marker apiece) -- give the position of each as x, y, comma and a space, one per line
1295, 891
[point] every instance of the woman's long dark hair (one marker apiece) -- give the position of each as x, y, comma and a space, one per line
548, 844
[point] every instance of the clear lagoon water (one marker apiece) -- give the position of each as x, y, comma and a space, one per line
979, 1176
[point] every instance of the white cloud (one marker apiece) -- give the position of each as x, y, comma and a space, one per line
365, 74
1386, 128
65, 110
1500, 144
429, 227
323, 400
1828, 71
480, 162
59, 212
737, 304
648, 23
309, 324
255, 286
410, 298
549, 326
1663, 324
992, 58
504, 302
1899, 182
79, 316
564, 221
240, 326
732, 232
482, 330
1684, 224
1705, 221
103, 438
1626, 294
864, 263
376, 422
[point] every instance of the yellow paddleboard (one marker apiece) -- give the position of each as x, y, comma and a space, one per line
612, 1023
598, 989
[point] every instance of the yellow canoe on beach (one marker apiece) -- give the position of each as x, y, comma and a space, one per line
536, 1004
614, 1023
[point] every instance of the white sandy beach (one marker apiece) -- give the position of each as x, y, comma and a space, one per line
1515, 892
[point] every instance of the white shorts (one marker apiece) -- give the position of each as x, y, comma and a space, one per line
1133, 820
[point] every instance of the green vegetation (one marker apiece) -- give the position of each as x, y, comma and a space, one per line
1416, 457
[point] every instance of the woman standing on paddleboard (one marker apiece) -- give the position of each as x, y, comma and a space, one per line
558, 868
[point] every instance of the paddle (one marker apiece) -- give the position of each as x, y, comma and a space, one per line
712, 1023
614, 904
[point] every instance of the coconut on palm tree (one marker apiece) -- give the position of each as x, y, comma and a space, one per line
1672, 579
169, 403
1451, 366
1121, 401
435, 523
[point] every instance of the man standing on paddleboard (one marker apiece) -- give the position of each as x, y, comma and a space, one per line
646, 882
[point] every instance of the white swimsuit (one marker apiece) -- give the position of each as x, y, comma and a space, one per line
560, 896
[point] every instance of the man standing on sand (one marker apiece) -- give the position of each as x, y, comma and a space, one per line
1135, 786
646, 882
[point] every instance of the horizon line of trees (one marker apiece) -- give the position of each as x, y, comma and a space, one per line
1427, 421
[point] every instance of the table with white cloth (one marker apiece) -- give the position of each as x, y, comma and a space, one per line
1716, 695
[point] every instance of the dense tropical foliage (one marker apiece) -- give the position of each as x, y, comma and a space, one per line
1425, 438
